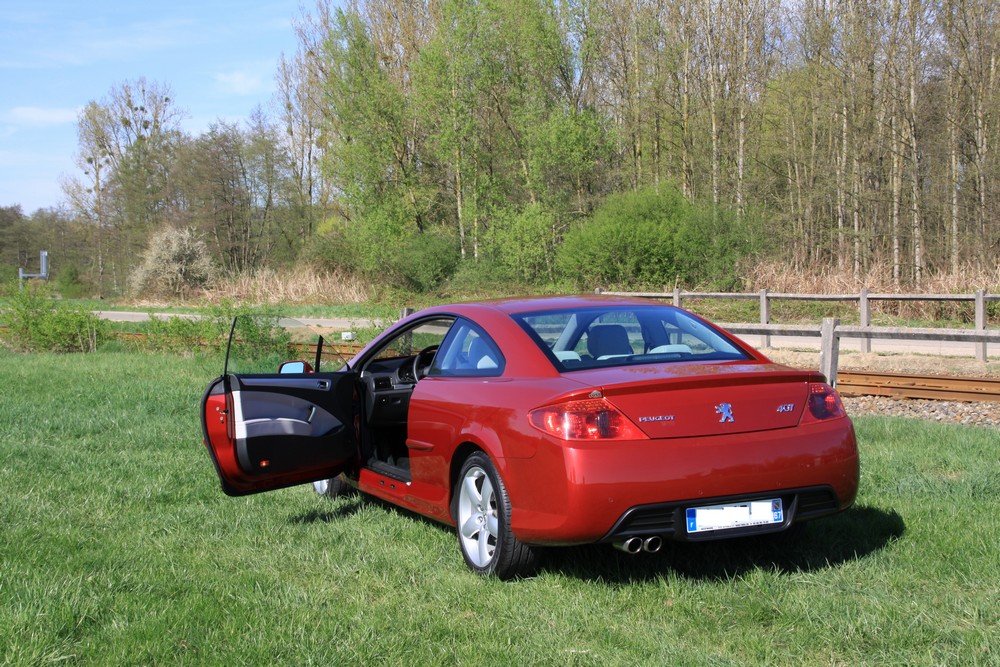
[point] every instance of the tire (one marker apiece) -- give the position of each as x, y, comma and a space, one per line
481, 509
331, 488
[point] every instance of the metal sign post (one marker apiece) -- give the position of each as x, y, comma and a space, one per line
43, 260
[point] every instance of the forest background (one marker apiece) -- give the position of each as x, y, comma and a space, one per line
466, 145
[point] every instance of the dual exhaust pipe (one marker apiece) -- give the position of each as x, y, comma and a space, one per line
635, 544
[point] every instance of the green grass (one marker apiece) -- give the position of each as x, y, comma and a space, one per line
119, 548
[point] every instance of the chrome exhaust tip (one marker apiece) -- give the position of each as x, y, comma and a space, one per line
630, 545
652, 544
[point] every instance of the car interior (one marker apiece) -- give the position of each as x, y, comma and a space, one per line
387, 382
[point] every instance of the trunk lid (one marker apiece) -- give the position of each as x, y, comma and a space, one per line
701, 399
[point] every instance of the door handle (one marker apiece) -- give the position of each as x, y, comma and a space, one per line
323, 385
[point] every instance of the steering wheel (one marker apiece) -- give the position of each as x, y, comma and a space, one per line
422, 362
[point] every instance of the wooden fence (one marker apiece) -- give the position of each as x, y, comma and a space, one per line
831, 331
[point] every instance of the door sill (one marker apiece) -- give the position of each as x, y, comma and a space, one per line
383, 468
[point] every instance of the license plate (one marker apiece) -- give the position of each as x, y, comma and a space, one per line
734, 515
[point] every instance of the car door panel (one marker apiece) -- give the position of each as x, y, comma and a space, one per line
271, 431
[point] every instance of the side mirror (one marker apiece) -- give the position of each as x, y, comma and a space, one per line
294, 367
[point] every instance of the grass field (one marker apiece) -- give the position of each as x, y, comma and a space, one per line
118, 547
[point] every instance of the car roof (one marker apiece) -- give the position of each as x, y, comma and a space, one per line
517, 305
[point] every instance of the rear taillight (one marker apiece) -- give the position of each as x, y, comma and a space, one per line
590, 419
823, 403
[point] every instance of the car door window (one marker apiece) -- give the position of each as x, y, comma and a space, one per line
259, 344
424, 335
468, 351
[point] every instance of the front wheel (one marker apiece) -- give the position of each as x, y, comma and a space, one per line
481, 509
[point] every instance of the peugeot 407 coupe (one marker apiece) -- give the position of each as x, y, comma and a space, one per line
544, 422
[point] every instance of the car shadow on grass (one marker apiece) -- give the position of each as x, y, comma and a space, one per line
347, 504
815, 545
824, 543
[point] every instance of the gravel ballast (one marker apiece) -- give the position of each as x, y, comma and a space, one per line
945, 412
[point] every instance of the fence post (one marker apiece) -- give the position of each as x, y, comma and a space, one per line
981, 322
829, 349
765, 317
865, 307
405, 312
677, 297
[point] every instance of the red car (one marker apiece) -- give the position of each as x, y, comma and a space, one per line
542, 422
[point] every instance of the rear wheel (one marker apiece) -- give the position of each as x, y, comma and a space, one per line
481, 509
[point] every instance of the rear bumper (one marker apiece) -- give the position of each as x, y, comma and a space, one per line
589, 492
668, 519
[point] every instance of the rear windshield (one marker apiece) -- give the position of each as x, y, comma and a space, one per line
597, 337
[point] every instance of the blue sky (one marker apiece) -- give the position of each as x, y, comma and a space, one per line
218, 57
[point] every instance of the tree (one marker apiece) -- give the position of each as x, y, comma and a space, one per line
234, 182
126, 150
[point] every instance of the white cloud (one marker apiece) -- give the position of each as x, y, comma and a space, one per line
39, 116
77, 41
242, 82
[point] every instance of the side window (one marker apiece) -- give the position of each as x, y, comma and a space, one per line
258, 344
468, 351
411, 341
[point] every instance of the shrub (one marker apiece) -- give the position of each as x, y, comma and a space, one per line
69, 283
183, 335
650, 239
258, 332
175, 262
522, 242
628, 241
424, 261
36, 323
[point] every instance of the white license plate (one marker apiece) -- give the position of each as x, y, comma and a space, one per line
734, 515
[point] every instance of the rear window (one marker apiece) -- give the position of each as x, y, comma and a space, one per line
597, 337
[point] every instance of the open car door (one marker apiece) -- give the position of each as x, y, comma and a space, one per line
269, 430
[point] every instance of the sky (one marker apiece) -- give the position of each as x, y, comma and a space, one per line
218, 58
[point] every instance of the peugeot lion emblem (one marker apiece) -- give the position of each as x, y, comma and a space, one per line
726, 410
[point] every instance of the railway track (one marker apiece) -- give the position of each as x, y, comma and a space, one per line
934, 387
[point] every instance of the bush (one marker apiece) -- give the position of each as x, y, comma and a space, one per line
182, 335
380, 249
69, 283
331, 248
36, 323
653, 240
175, 262
424, 261
258, 331
629, 241
522, 243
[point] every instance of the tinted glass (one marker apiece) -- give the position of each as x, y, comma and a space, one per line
259, 344
426, 334
468, 351
618, 336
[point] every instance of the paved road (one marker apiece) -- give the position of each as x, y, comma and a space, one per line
943, 348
